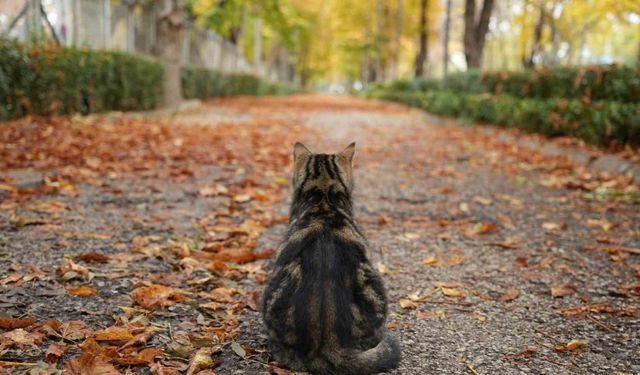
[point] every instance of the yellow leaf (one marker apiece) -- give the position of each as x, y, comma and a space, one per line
452, 292
408, 304
430, 261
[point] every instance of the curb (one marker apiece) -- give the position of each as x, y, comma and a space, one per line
597, 160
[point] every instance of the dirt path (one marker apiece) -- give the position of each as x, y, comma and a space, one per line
498, 260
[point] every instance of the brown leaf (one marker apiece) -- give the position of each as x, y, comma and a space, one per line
158, 369
452, 292
113, 334
430, 261
21, 338
572, 345
72, 331
200, 360
253, 300
13, 323
81, 291
55, 352
563, 290
90, 364
481, 229
222, 294
509, 295
93, 257
408, 304
156, 296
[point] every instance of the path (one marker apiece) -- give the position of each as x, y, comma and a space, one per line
498, 259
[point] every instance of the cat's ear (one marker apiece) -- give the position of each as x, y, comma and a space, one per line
300, 151
300, 155
348, 153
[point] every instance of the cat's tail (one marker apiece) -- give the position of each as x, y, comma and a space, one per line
383, 357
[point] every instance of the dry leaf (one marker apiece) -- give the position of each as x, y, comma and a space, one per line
200, 360
55, 352
452, 292
113, 334
563, 290
81, 291
430, 261
408, 304
481, 229
572, 345
509, 295
156, 296
13, 323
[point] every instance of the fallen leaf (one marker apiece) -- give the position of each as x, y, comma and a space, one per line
563, 290
90, 364
481, 229
452, 292
81, 291
431, 314
509, 295
113, 334
93, 258
55, 352
156, 296
408, 304
238, 349
13, 323
200, 360
430, 261
572, 345
553, 227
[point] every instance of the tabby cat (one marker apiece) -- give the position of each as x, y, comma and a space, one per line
324, 305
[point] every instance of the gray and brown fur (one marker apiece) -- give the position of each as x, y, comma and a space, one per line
324, 305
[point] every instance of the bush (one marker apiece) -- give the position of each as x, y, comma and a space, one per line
48, 80
601, 123
203, 83
594, 83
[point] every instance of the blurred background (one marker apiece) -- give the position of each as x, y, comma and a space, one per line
339, 45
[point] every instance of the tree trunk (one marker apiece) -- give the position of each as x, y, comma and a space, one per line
168, 49
529, 62
447, 29
398, 40
421, 58
475, 32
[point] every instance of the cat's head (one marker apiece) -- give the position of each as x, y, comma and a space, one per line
323, 172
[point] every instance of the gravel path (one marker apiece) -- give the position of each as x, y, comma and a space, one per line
498, 259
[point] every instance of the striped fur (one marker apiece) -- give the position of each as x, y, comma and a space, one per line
324, 305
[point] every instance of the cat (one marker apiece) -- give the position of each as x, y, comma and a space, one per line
324, 305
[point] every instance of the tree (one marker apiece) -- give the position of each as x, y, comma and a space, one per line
421, 58
168, 48
475, 31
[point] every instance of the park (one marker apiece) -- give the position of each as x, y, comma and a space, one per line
147, 170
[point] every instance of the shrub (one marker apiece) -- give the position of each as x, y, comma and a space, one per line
205, 83
594, 83
48, 80
601, 123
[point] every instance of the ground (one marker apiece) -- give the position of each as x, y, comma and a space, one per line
140, 243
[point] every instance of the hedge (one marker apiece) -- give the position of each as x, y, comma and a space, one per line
48, 80
596, 82
204, 83
599, 123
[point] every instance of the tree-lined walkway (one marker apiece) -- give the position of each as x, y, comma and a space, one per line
143, 242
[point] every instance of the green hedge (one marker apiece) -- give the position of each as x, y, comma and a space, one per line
597, 82
204, 83
601, 123
48, 80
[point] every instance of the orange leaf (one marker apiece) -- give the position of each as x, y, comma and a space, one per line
81, 291
113, 334
156, 296
13, 323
